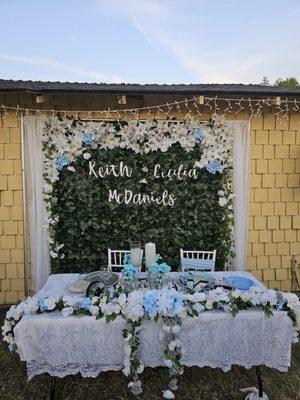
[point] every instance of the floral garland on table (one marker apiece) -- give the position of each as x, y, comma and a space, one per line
65, 139
167, 307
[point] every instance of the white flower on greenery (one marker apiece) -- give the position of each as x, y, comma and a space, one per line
50, 303
176, 329
173, 344
168, 394
67, 311
11, 312
94, 310
140, 368
292, 300
127, 349
209, 305
53, 254
222, 201
70, 168
86, 156
168, 362
30, 306
7, 326
173, 384
135, 387
167, 328
122, 299
48, 188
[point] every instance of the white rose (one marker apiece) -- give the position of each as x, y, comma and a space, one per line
126, 370
172, 345
86, 156
48, 188
168, 363
222, 201
53, 254
209, 305
10, 312
140, 368
168, 394
67, 311
93, 310
72, 169
50, 303
122, 299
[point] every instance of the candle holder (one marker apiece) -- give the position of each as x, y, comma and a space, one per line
136, 254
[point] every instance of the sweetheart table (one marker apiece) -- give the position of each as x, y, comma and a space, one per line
63, 346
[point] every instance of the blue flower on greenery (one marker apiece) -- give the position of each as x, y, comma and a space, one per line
129, 270
62, 161
158, 257
175, 301
200, 135
85, 303
280, 304
213, 166
88, 139
150, 304
127, 258
11, 346
42, 305
162, 268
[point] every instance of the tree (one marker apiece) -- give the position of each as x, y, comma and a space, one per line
265, 81
291, 82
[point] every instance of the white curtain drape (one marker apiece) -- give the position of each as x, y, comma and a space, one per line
241, 161
39, 238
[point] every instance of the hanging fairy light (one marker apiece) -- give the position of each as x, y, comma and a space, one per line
189, 108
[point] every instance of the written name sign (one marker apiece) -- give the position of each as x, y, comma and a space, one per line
127, 196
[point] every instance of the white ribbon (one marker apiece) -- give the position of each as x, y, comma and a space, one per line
253, 394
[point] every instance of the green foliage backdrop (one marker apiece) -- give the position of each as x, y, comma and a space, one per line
89, 224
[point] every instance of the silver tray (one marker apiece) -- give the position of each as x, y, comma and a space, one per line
107, 278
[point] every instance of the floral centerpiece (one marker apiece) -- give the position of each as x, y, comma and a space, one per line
157, 273
167, 307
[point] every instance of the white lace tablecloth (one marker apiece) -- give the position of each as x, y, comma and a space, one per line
64, 346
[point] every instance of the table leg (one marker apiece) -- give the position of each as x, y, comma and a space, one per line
52, 388
259, 381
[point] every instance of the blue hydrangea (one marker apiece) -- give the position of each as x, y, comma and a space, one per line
158, 257
62, 161
150, 304
88, 139
129, 270
213, 166
42, 305
280, 304
200, 135
175, 301
85, 303
127, 258
162, 268
11, 346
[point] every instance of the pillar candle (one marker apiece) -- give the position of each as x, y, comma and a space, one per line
150, 251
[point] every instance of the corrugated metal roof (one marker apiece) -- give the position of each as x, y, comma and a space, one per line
132, 88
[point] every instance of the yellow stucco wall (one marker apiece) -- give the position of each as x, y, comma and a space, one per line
274, 221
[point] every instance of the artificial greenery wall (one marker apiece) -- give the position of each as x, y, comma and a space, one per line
88, 224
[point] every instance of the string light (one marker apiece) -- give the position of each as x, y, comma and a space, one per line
252, 106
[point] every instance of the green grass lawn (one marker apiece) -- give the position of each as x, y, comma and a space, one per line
196, 383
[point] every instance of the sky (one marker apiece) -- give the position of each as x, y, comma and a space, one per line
150, 41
